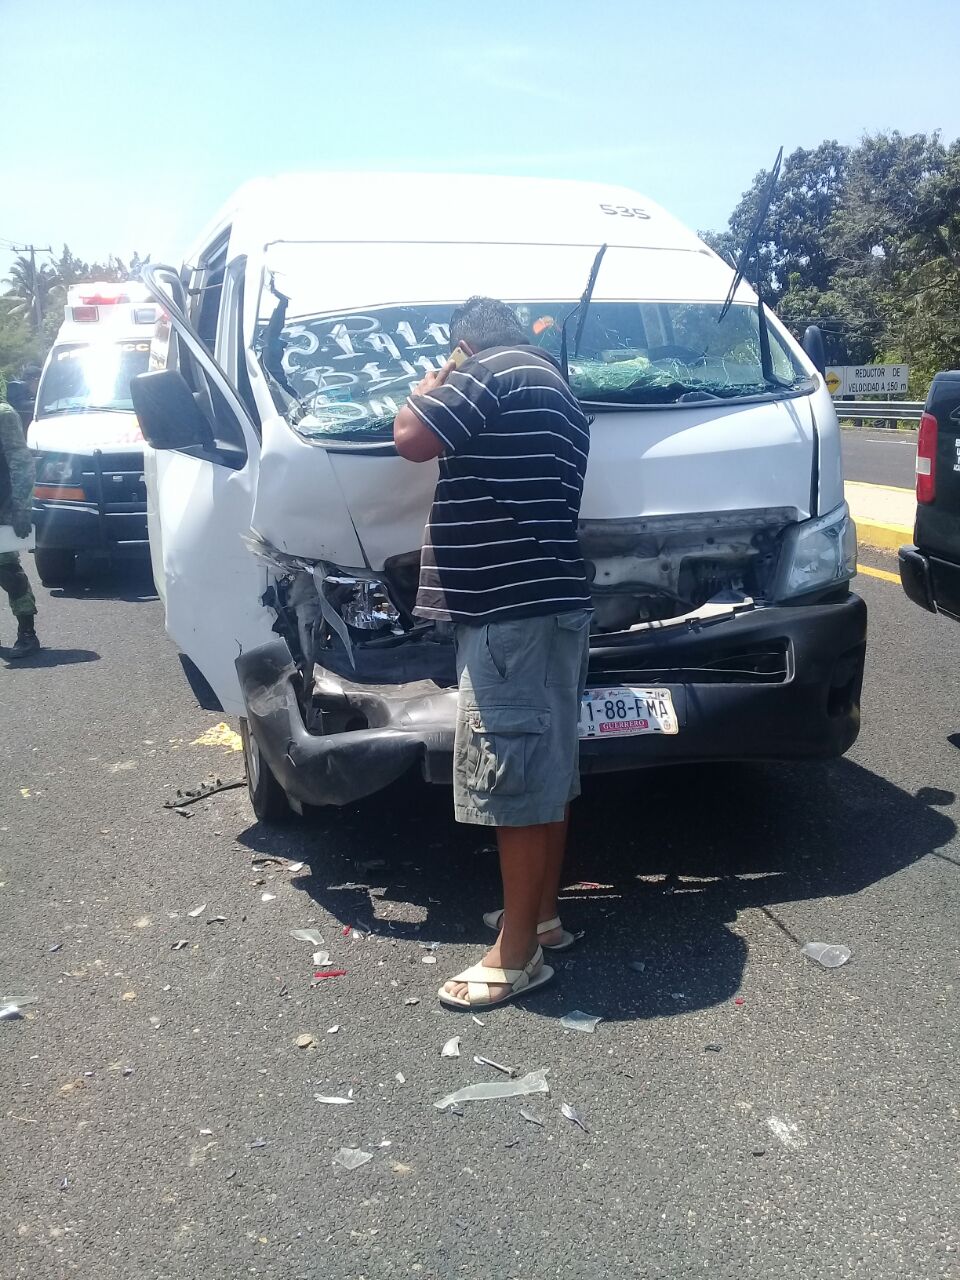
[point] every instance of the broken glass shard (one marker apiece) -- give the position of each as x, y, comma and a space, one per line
351, 1157
577, 1020
829, 954
532, 1082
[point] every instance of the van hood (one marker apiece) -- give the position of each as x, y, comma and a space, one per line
82, 433
678, 504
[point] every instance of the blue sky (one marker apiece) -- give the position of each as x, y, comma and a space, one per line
136, 120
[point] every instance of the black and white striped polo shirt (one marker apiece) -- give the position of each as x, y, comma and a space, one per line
502, 537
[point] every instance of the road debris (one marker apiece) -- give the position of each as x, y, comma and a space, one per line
329, 973
128, 996
712, 1048
332, 1031
305, 1041
295, 866
532, 1082
788, 1132
477, 1020
739, 1000
197, 911
267, 897
531, 1117
257, 1143
573, 1115
190, 795
9, 1012
829, 954
512, 1072
221, 735
400, 1078
312, 936
180, 944
55, 946
638, 966
451, 1049
217, 920
577, 1020
206, 1133
351, 1158
431, 959
412, 1000
333, 1101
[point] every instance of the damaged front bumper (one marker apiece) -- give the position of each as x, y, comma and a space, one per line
772, 683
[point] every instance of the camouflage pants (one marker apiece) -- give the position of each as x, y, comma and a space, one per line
17, 586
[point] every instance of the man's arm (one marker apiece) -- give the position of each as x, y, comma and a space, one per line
445, 412
22, 471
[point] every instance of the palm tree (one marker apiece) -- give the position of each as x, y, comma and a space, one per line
33, 289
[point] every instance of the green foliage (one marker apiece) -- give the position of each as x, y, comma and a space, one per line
865, 241
31, 310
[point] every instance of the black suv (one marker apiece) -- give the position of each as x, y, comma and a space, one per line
930, 571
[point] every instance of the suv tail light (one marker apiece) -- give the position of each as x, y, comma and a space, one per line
927, 459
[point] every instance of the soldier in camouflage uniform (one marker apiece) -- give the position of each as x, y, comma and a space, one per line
16, 501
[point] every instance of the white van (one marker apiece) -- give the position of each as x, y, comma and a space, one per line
90, 493
286, 530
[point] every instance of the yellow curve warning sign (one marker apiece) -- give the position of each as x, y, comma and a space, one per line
834, 381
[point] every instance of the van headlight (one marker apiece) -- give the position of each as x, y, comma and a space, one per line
56, 470
816, 554
362, 603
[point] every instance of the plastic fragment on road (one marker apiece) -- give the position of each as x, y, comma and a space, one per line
400, 1078
573, 1115
512, 1072
54, 947
304, 1041
477, 1020
412, 1000
320, 958
351, 1158
430, 959
332, 1031
452, 1048
295, 866
332, 1101
712, 1048
9, 1012
313, 936
532, 1082
267, 897
638, 966
831, 955
217, 920
329, 973
197, 911
577, 1020
257, 1143
531, 1117
739, 1000
180, 944
184, 813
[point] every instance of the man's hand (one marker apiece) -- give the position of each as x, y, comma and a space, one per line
434, 378
22, 523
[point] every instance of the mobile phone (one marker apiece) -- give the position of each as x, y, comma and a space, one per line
459, 354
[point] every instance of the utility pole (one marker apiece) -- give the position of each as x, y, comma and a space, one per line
35, 305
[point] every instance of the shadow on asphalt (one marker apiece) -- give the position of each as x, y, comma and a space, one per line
49, 658
127, 580
675, 853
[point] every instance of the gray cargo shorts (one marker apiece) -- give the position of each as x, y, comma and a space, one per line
516, 755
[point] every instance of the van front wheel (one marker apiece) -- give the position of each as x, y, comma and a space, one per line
267, 797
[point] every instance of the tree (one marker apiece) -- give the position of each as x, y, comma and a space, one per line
32, 286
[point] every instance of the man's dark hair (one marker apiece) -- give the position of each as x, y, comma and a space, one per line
485, 322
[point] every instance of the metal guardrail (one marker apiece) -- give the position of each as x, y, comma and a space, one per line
858, 410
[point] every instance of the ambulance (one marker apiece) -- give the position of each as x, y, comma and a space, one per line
285, 530
90, 496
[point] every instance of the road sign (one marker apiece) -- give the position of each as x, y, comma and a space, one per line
867, 379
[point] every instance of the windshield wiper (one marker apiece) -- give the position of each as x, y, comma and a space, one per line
581, 310
749, 249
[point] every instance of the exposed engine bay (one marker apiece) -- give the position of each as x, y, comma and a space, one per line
643, 572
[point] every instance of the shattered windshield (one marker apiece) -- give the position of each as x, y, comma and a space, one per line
342, 374
91, 378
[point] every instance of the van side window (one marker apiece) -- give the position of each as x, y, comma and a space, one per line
206, 309
227, 434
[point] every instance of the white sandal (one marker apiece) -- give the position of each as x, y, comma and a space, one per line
479, 979
494, 919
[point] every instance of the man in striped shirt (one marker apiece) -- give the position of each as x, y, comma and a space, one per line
501, 562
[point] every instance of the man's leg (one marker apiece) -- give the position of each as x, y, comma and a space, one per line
15, 582
525, 864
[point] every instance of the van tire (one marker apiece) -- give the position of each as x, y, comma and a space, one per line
55, 566
267, 798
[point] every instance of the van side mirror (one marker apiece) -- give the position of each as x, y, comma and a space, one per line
169, 416
813, 346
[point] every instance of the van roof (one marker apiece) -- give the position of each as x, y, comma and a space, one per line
433, 207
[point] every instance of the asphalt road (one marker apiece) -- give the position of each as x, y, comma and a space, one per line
750, 1114
880, 457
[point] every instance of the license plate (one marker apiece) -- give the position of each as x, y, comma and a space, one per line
620, 712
